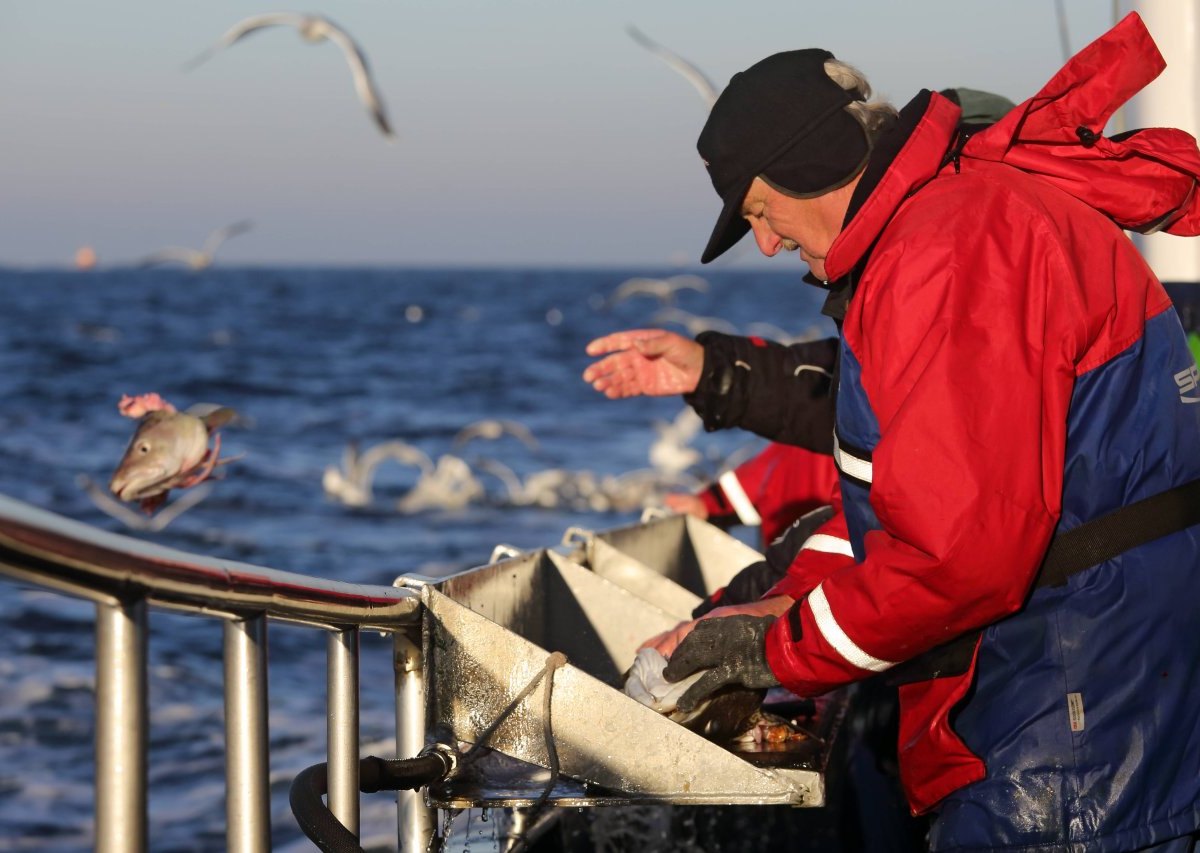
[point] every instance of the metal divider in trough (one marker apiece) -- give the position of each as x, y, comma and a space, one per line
490, 642
673, 561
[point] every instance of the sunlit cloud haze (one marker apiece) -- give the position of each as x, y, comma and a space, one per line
529, 132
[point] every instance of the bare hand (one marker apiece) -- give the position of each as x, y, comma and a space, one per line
686, 504
645, 362
668, 641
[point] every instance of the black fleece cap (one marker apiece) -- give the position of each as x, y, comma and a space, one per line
785, 119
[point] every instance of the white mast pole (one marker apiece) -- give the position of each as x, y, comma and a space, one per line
1173, 100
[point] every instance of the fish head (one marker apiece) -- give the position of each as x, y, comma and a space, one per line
165, 445
724, 715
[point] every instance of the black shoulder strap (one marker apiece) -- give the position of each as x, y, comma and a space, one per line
1105, 537
1087, 545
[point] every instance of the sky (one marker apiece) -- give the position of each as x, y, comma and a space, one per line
529, 132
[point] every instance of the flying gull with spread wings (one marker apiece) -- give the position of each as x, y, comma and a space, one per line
690, 72
196, 259
313, 29
662, 289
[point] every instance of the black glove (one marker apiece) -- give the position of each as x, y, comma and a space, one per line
732, 648
756, 579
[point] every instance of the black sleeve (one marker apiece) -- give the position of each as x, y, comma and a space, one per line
725, 516
752, 582
783, 393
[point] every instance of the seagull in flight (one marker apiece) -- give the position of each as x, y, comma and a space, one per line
662, 289
196, 259
492, 429
153, 524
694, 323
351, 485
313, 29
690, 72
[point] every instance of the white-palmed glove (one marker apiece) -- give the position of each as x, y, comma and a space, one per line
730, 650
646, 684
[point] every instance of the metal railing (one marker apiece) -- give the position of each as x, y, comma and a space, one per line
126, 576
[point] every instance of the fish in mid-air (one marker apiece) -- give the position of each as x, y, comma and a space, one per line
169, 450
313, 29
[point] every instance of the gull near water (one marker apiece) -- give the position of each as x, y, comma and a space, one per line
196, 259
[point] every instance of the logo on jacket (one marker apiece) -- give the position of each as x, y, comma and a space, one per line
1188, 380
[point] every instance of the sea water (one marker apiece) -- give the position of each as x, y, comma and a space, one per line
312, 360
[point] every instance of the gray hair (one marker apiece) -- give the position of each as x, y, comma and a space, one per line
874, 117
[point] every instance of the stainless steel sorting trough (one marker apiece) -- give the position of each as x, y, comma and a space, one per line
489, 633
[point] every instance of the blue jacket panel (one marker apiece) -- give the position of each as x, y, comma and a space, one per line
1086, 704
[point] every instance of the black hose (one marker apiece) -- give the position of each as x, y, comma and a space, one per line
314, 817
374, 774
401, 774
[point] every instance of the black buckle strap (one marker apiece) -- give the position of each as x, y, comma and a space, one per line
1089, 544
1105, 537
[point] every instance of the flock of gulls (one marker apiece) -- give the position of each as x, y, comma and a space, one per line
315, 29
456, 479
450, 482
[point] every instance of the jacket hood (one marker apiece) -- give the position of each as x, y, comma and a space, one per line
1143, 180
908, 156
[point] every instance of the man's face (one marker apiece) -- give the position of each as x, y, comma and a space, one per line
807, 225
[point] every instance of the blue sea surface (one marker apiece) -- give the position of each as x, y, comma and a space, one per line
312, 360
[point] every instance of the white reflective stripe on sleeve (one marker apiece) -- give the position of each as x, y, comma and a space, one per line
733, 490
827, 544
836, 637
859, 469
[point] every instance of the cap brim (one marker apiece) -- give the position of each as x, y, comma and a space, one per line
731, 225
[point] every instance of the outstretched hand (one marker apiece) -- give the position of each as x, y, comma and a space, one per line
645, 362
686, 504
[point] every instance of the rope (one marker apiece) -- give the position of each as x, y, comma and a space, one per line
553, 662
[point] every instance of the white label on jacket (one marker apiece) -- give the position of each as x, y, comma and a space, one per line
1187, 380
1075, 711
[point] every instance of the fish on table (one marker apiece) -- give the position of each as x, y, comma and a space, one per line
733, 715
723, 716
169, 450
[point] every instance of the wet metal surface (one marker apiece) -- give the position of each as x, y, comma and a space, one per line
489, 633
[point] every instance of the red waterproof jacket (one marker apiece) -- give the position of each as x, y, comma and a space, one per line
1011, 367
772, 489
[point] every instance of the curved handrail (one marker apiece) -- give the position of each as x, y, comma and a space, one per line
73, 557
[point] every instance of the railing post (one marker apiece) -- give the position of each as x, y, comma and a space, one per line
247, 765
121, 727
416, 821
342, 686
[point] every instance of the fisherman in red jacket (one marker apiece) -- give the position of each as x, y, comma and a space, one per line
1017, 432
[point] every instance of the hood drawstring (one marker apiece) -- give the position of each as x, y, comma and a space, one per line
954, 152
